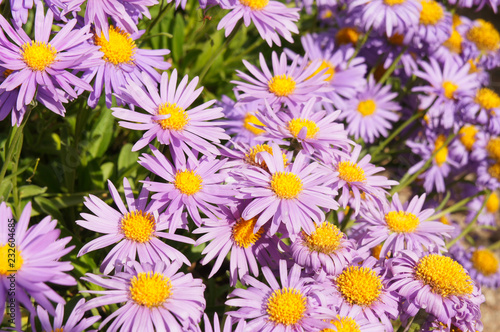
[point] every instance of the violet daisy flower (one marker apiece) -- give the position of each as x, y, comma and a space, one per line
489, 215
481, 263
135, 231
483, 108
325, 248
482, 42
271, 18
439, 285
371, 113
121, 61
37, 251
8, 100
228, 325
288, 85
289, 305
74, 323
357, 177
435, 24
194, 185
156, 296
387, 16
361, 289
292, 195
40, 67
169, 120
402, 227
315, 130
234, 234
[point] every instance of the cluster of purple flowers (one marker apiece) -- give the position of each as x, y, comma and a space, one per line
284, 186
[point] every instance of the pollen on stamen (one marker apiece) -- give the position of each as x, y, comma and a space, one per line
242, 232
178, 117
493, 203
296, 125
367, 107
138, 226
350, 172
394, 2
485, 261
326, 238
343, 324
440, 157
286, 185
255, 4
484, 36
188, 182
467, 136
359, 285
119, 49
487, 98
330, 71
38, 56
150, 289
347, 35
431, 12
493, 148
250, 123
286, 306
251, 155
282, 85
449, 89
6, 267
402, 221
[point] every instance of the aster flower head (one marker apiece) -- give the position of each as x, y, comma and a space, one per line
371, 113
292, 195
291, 304
312, 128
169, 119
271, 18
135, 230
287, 84
482, 41
233, 234
483, 108
388, 16
195, 185
439, 285
361, 290
401, 227
74, 323
37, 251
155, 296
325, 248
121, 61
481, 263
39, 67
489, 215
356, 177
434, 25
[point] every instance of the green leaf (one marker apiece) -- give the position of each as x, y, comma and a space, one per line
178, 40
101, 134
31, 190
48, 207
107, 170
127, 157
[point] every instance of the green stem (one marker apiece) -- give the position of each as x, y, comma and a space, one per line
409, 178
158, 18
220, 50
361, 43
472, 224
346, 220
15, 191
444, 201
455, 207
494, 246
391, 69
14, 137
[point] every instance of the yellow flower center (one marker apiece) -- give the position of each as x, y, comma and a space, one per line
188, 182
252, 154
150, 290
120, 48
485, 262
485, 36
367, 107
38, 55
444, 220
494, 171
359, 285
286, 185
454, 43
468, 136
347, 35
487, 98
178, 117
396, 39
138, 226
449, 89
58, 330
402, 221
7, 72
330, 71
350, 172
255, 4
249, 124
493, 148
431, 12
442, 155
473, 67
443, 275
281, 85
10, 260
325, 238
493, 203
343, 324
296, 125
456, 20
286, 306
243, 233
376, 251
394, 2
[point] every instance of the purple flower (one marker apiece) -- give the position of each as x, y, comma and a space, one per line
483, 108
169, 120
481, 263
37, 251
482, 42
292, 306
193, 184
156, 296
488, 216
40, 67
434, 26
439, 285
121, 62
271, 18
74, 323
288, 85
371, 113
135, 231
